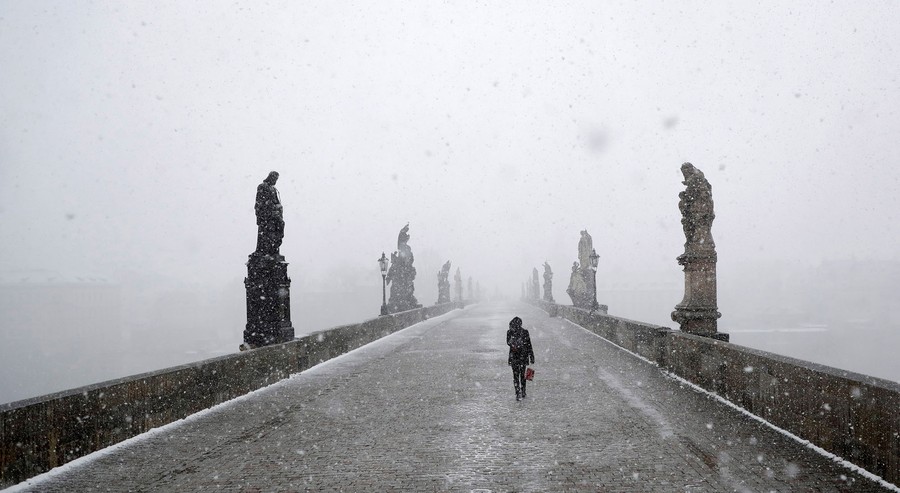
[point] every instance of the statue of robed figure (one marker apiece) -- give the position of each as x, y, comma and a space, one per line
698, 311
581, 281
402, 276
548, 283
444, 284
269, 217
267, 283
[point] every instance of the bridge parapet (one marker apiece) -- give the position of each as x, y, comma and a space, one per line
854, 416
44, 432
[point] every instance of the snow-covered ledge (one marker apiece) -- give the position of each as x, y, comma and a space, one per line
44, 432
853, 416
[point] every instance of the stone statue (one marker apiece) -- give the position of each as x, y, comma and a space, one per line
444, 284
402, 275
457, 285
535, 285
471, 290
548, 283
576, 287
697, 313
585, 247
267, 283
403, 242
269, 217
697, 214
583, 281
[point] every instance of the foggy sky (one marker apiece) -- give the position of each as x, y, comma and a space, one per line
133, 136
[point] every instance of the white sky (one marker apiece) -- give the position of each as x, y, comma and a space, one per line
133, 135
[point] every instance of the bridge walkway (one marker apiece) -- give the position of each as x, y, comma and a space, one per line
432, 408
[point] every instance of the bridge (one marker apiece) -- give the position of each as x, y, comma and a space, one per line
431, 407
420, 399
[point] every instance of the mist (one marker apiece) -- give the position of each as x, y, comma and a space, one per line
133, 136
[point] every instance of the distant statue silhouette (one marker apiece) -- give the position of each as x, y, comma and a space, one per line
444, 284
577, 286
403, 242
585, 247
269, 217
401, 276
548, 283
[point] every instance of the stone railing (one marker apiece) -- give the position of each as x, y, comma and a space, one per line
39, 434
854, 416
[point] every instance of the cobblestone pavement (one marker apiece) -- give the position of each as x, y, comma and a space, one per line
432, 408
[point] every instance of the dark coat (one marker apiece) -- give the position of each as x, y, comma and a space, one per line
519, 338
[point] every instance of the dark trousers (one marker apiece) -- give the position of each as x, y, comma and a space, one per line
519, 378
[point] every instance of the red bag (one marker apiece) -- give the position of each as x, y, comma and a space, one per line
529, 374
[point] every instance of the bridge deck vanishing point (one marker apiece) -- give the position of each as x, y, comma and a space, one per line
432, 408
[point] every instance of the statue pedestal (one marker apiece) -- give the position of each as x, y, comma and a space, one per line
268, 301
697, 313
699, 321
402, 306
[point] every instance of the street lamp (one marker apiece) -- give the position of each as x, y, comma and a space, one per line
383, 263
595, 261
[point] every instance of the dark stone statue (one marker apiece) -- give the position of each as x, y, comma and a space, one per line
444, 284
698, 312
471, 289
535, 285
402, 276
548, 283
457, 285
267, 283
269, 217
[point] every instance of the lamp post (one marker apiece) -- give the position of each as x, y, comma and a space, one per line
383, 263
595, 261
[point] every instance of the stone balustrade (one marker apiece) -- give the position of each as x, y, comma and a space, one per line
41, 433
854, 416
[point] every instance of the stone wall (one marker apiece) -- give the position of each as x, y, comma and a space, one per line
854, 416
39, 434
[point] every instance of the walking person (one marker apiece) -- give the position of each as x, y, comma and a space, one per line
520, 353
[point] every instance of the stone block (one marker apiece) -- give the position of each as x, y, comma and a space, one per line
712, 371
